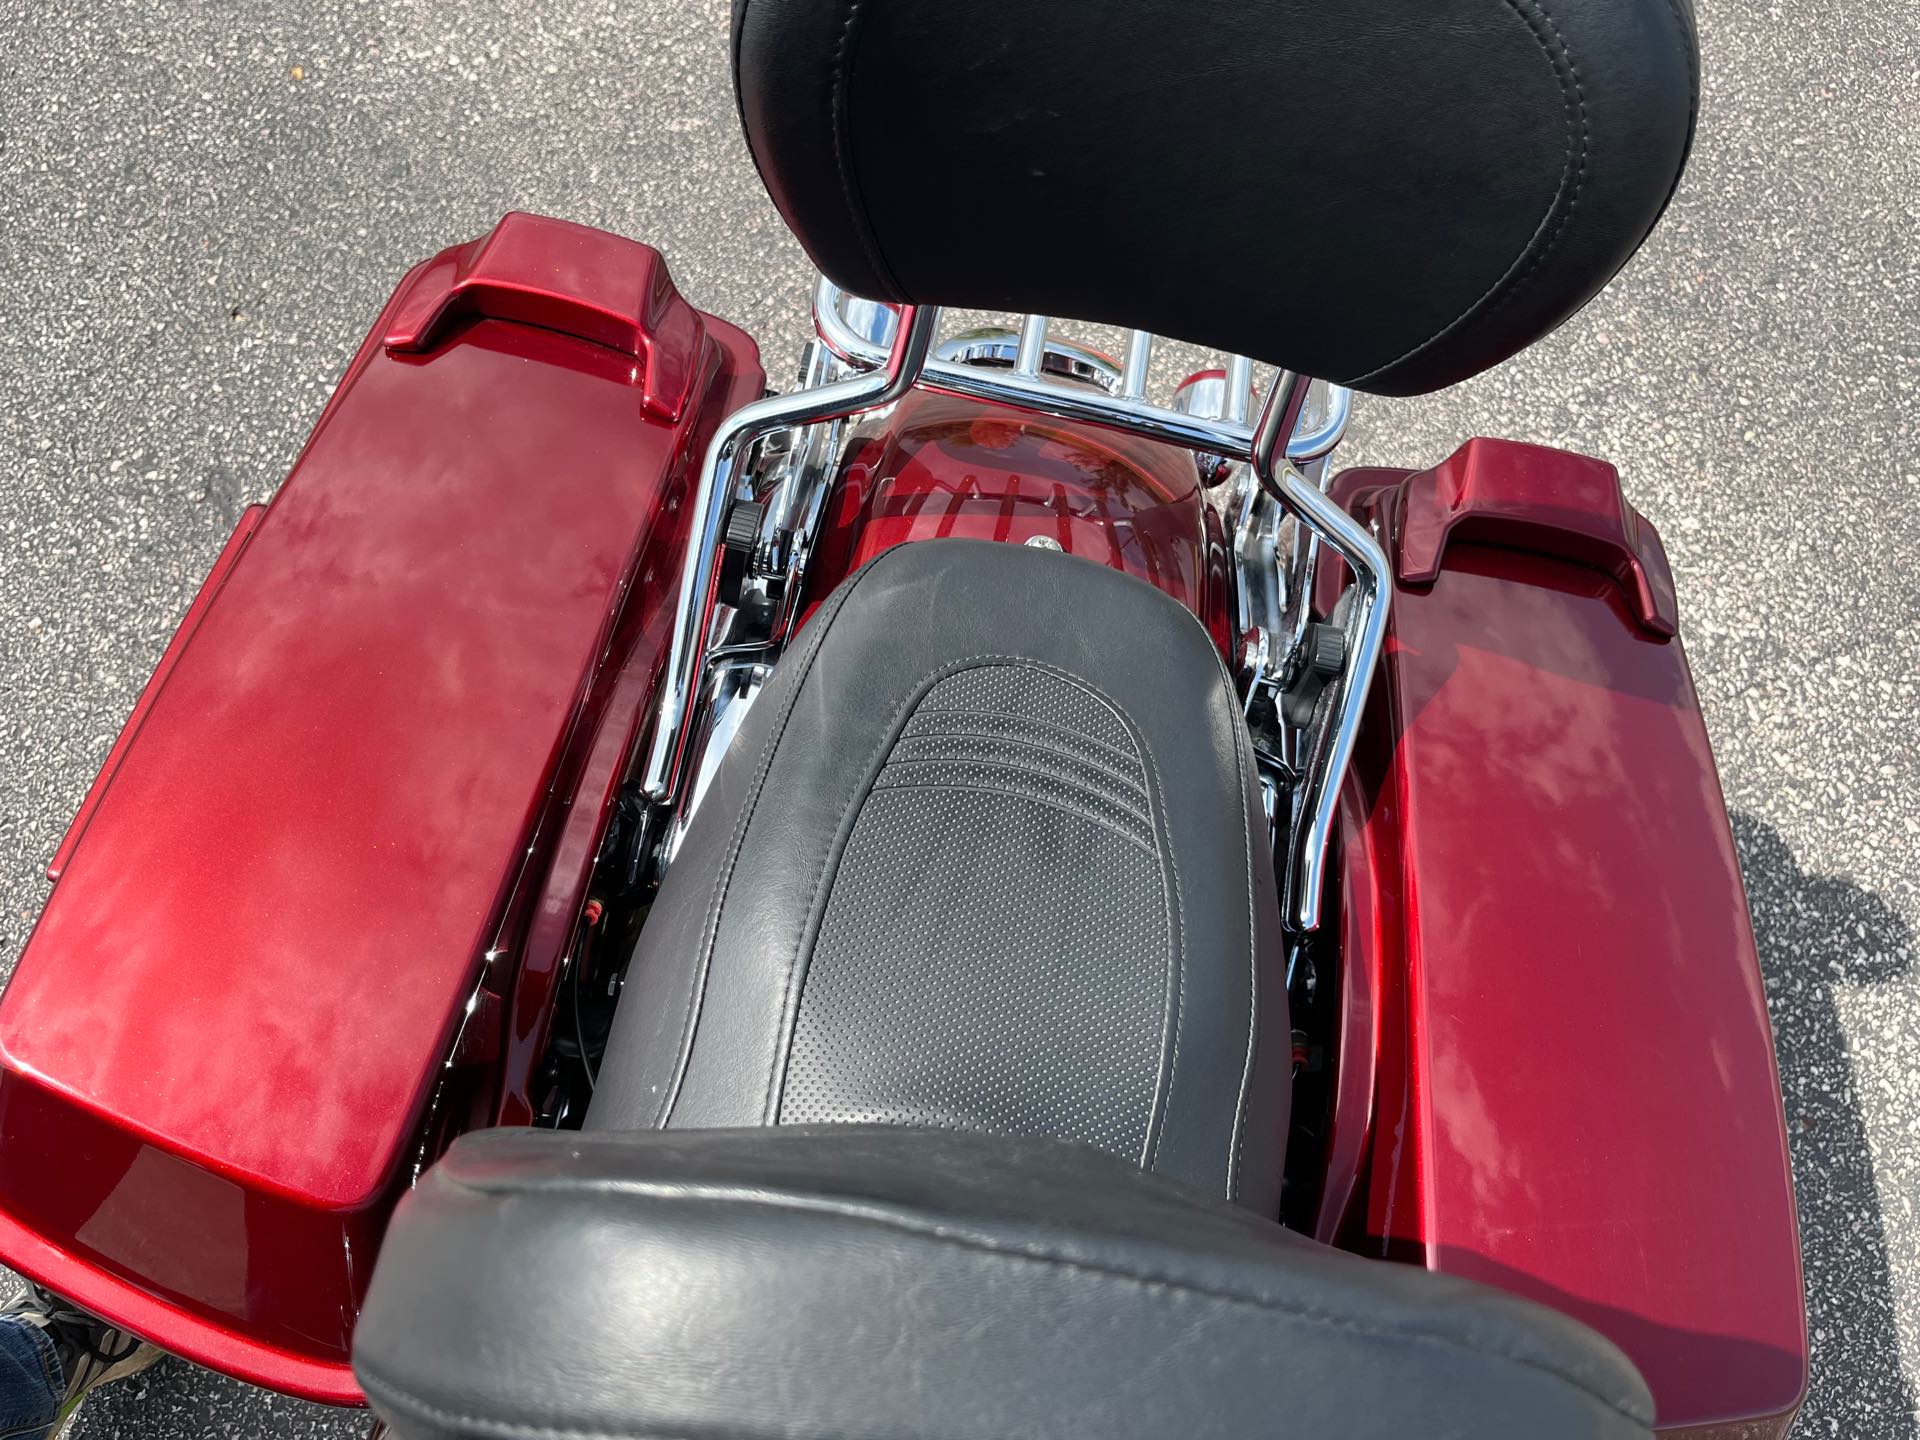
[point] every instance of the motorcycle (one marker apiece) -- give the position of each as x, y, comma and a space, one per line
985, 892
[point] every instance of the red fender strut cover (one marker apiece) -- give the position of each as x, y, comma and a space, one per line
219, 1049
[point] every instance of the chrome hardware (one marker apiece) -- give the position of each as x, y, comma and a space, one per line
867, 358
1033, 345
900, 366
995, 345
1034, 391
1328, 750
729, 696
1133, 370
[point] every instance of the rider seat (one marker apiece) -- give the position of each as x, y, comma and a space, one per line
988, 854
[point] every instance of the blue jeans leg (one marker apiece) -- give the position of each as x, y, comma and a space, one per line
31, 1384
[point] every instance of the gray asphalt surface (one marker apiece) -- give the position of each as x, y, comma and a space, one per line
202, 206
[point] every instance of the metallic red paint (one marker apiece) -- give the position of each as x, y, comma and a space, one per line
564, 277
1574, 1093
270, 978
948, 466
216, 577
1503, 492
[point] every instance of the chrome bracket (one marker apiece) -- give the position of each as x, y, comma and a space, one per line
686, 660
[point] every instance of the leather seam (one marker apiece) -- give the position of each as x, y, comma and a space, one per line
1037, 725
710, 930
394, 1392
1134, 806
1527, 263
843, 149
1693, 99
1237, 1140
1061, 806
818, 893
876, 763
840, 1210
1173, 896
1125, 782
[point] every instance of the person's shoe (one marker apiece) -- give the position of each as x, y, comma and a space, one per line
92, 1353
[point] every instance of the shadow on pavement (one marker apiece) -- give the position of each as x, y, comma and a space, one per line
1818, 937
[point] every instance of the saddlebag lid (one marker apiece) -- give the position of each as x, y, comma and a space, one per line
226, 1048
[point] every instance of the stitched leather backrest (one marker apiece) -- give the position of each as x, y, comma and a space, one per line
1393, 194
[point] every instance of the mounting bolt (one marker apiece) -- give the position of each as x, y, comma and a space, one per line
1256, 651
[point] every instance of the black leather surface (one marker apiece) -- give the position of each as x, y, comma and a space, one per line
853, 1284
1393, 194
985, 855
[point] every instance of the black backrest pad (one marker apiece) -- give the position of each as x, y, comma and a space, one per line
1392, 194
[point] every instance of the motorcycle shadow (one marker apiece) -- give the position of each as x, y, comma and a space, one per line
1820, 938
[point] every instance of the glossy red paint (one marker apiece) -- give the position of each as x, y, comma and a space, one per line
1530, 497
216, 577
940, 465
1574, 1094
563, 277
270, 979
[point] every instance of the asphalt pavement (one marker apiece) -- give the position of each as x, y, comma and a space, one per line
203, 205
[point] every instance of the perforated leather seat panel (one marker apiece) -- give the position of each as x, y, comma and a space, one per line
972, 864
1013, 1004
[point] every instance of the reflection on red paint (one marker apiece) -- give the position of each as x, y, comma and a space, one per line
941, 466
1575, 1092
344, 804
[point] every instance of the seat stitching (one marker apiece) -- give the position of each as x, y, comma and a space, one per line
1132, 806
1237, 1140
710, 929
897, 722
1174, 897
1060, 805
1037, 725
1527, 263
1107, 772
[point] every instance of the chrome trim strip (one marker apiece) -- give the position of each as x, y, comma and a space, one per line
666, 760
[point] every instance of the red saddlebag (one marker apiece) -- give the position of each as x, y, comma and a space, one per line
278, 965
1557, 1075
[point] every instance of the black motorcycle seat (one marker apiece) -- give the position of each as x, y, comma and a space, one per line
1392, 194
863, 1284
988, 854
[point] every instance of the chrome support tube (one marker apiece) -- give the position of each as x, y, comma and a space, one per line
1033, 346
1330, 749
1239, 389
913, 335
1133, 369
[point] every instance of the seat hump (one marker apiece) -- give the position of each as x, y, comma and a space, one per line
1391, 194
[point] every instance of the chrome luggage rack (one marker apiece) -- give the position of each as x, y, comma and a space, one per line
870, 355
